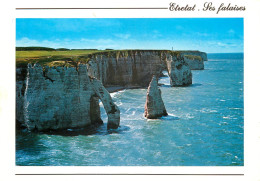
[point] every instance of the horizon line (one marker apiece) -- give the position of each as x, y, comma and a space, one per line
113, 49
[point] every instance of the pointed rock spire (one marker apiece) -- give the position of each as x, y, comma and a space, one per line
154, 106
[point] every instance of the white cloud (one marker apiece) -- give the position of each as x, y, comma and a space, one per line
123, 36
44, 43
26, 42
202, 34
85, 43
104, 41
67, 43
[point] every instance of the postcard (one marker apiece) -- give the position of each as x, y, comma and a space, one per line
163, 89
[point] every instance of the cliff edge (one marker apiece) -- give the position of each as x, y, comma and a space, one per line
63, 92
61, 98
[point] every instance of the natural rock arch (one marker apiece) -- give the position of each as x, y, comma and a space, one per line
61, 98
113, 112
94, 110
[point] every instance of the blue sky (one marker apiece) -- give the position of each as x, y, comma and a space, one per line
212, 35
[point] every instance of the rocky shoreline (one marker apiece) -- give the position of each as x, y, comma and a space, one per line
60, 98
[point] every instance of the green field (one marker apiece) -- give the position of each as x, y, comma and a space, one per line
21, 55
55, 57
50, 57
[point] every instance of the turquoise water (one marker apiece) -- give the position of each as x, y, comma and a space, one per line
205, 127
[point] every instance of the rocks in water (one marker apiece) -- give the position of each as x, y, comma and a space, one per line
179, 71
66, 97
154, 106
63, 98
135, 68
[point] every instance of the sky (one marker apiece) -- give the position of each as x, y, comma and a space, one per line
211, 35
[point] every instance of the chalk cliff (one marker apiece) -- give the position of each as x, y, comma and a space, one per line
194, 62
154, 106
203, 55
195, 59
62, 98
179, 71
126, 68
136, 68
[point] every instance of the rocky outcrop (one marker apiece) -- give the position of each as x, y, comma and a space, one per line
62, 98
136, 68
154, 106
179, 71
127, 68
113, 113
203, 55
195, 59
194, 62
20, 89
53, 98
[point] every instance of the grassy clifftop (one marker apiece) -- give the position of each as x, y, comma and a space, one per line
193, 57
65, 57
45, 57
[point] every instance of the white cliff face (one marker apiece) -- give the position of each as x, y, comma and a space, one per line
137, 68
179, 71
130, 70
203, 55
195, 59
194, 64
20, 89
113, 112
154, 106
62, 98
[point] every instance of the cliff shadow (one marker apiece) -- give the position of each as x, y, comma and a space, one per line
195, 85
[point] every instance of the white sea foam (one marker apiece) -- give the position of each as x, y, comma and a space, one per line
153, 120
227, 117
164, 80
189, 116
205, 110
114, 94
119, 103
138, 137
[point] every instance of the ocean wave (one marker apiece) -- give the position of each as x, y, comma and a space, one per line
235, 108
226, 117
114, 94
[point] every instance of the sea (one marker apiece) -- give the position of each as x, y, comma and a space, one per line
204, 126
